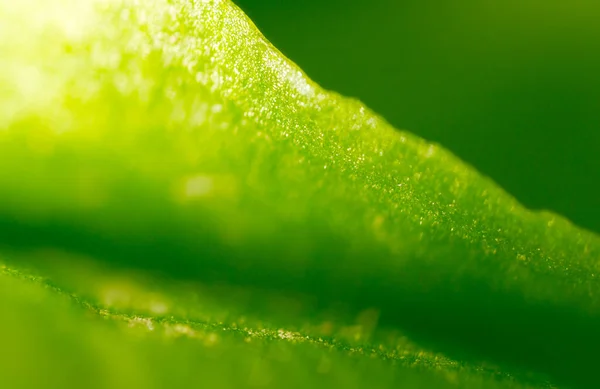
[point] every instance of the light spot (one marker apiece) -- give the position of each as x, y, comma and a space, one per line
158, 307
211, 339
217, 80
302, 85
430, 151
141, 321
378, 221
182, 329
288, 335
198, 186
115, 296
125, 15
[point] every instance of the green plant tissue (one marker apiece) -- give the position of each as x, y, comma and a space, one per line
169, 137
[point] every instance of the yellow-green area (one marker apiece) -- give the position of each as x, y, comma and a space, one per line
169, 139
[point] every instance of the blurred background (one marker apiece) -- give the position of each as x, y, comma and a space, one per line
512, 87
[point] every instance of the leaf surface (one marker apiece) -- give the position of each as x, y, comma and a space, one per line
171, 137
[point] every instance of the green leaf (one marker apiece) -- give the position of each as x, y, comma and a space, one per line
170, 136
130, 330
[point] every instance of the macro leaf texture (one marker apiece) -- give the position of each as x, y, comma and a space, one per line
180, 205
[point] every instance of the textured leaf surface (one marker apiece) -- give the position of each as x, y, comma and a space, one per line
123, 330
170, 136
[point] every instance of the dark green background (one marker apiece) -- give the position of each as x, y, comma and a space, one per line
512, 87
